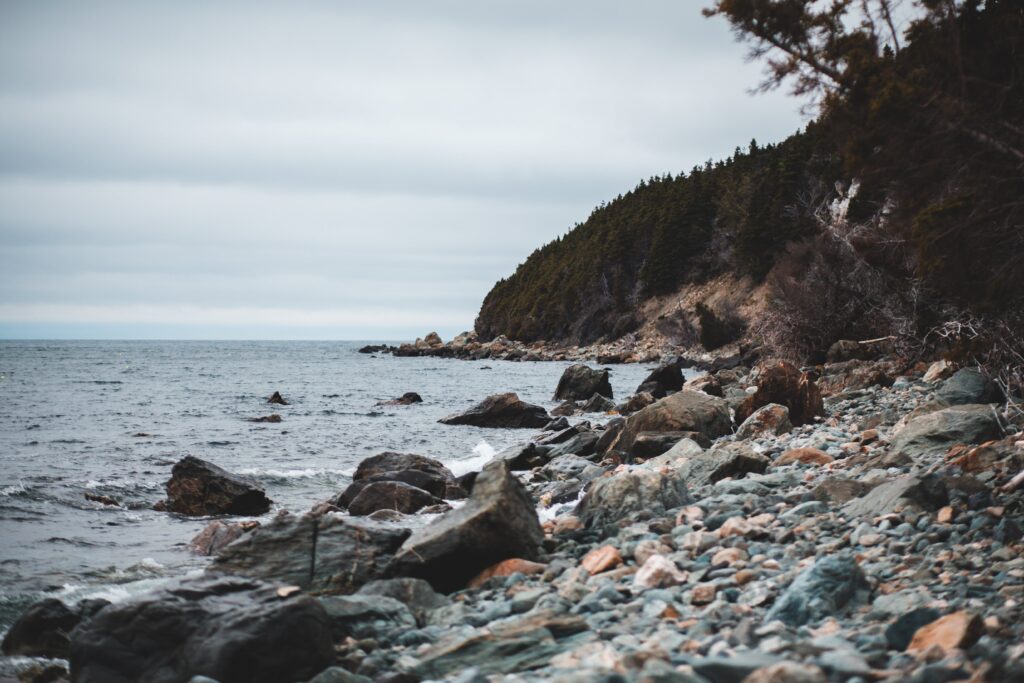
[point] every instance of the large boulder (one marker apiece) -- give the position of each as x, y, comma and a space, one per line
390, 495
365, 616
771, 419
230, 629
969, 385
416, 594
42, 630
683, 411
418, 471
501, 410
200, 488
662, 381
578, 383
614, 499
498, 521
831, 585
933, 433
723, 460
326, 553
784, 384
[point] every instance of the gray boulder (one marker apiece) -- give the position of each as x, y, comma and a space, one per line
683, 411
723, 460
579, 383
328, 553
365, 616
611, 500
498, 522
501, 410
230, 629
390, 495
831, 585
969, 385
416, 594
933, 433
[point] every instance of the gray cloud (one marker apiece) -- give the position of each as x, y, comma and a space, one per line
332, 165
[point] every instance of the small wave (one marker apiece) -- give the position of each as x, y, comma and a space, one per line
298, 473
220, 443
545, 514
123, 484
67, 441
18, 489
99, 381
483, 453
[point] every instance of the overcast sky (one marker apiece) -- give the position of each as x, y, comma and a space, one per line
334, 170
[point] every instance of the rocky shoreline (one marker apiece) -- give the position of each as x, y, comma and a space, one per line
859, 522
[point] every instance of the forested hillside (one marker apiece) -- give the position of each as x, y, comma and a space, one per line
923, 123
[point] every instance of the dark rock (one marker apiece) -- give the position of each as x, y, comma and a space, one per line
217, 535
579, 383
838, 491
271, 419
733, 459
708, 384
102, 500
525, 456
498, 522
42, 630
598, 404
230, 629
328, 553
832, 584
198, 487
390, 495
563, 410
556, 425
651, 444
784, 384
900, 632
847, 349
277, 399
662, 380
734, 669
583, 444
683, 411
416, 594
390, 461
406, 399
336, 674
908, 491
501, 410
415, 470
969, 385
610, 500
611, 432
365, 616
565, 467
634, 403
373, 348
932, 434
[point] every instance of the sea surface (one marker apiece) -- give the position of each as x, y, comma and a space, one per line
112, 418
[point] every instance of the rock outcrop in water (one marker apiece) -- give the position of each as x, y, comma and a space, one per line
200, 488
501, 410
579, 383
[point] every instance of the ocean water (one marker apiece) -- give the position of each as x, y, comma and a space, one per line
112, 417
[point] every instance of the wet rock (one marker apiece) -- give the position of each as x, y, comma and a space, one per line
579, 383
525, 456
42, 630
270, 419
933, 433
565, 467
501, 410
415, 470
277, 399
683, 411
230, 629
723, 460
498, 522
217, 535
102, 500
663, 380
416, 594
598, 404
199, 488
832, 584
959, 630
768, 419
583, 444
504, 568
406, 399
328, 553
365, 616
784, 384
613, 499
804, 456
969, 386
390, 495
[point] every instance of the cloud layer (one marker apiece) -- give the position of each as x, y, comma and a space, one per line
334, 169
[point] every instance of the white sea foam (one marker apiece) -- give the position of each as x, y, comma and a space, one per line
298, 473
483, 452
545, 514
14, 489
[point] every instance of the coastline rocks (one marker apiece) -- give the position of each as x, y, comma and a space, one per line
525, 456
634, 403
768, 419
498, 522
199, 488
969, 385
365, 616
598, 404
832, 584
327, 553
683, 411
501, 410
663, 380
406, 399
611, 500
954, 631
42, 630
390, 495
723, 460
419, 471
579, 383
267, 419
217, 535
229, 629
933, 433
277, 399
416, 594
784, 384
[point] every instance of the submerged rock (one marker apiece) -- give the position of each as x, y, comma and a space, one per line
230, 629
198, 488
498, 522
579, 383
406, 399
501, 410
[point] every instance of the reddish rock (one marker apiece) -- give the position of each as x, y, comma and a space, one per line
958, 630
703, 594
601, 559
508, 567
784, 384
805, 456
659, 572
769, 419
217, 534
